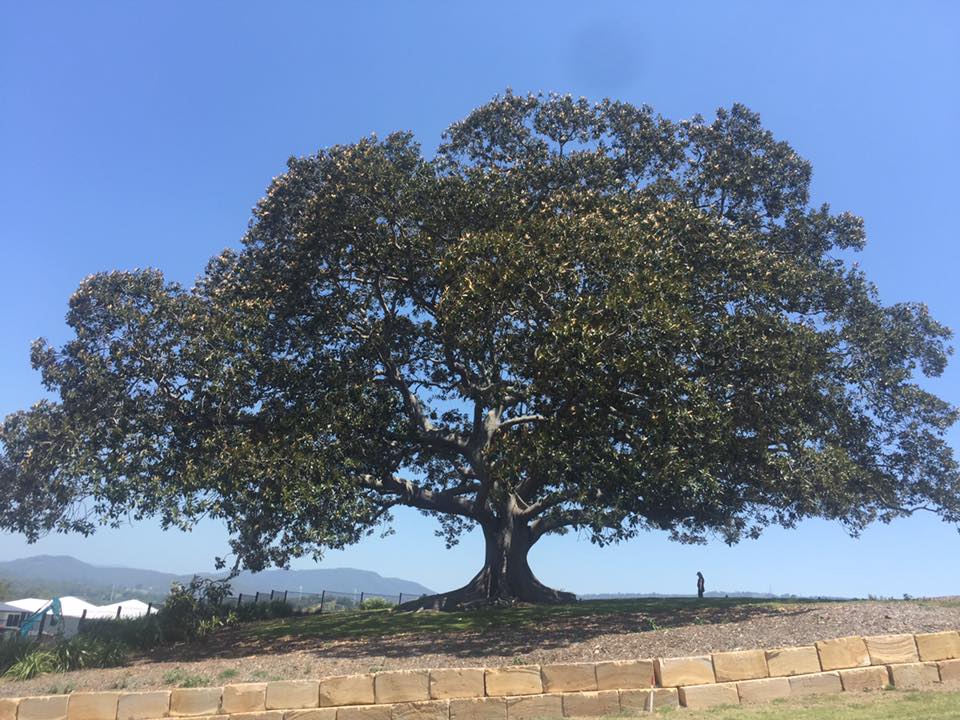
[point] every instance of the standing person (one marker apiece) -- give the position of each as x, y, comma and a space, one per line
700, 585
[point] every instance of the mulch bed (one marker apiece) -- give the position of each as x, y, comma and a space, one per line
592, 638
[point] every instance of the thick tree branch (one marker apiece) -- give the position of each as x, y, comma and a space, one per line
427, 431
521, 420
545, 503
576, 516
410, 494
419, 417
565, 518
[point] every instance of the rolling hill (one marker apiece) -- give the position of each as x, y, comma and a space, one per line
48, 575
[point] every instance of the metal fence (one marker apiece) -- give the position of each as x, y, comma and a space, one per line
324, 601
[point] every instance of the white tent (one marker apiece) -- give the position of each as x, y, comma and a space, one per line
131, 608
71, 606
74, 608
30, 605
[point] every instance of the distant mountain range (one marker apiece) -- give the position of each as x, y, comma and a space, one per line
50, 575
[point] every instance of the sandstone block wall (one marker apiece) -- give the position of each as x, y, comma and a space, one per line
566, 678
888, 649
742, 665
840, 653
674, 672
460, 683
538, 692
245, 698
938, 646
784, 662
816, 684
765, 690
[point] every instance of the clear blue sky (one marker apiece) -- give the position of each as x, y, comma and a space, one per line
141, 134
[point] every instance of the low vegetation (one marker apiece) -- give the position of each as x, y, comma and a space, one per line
649, 614
191, 613
185, 679
23, 659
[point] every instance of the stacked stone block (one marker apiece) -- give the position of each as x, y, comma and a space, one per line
534, 692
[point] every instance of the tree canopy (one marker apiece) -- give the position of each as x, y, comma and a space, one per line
572, 316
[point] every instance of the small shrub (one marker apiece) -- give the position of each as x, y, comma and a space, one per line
77, 653
279, 609
208, 626
263, 611
110, 654
263, 675
64, 689
32, 665
15, 649
142, 633
82, 652
228, 674
184, 679
376, 603
187, 607
192, 681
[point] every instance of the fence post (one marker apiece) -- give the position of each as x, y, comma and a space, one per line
43, 621
400, 600
323, 594
83, 616
149, 608
239, 599
285, 595
271, 596
119, 608
256, 598
361, 599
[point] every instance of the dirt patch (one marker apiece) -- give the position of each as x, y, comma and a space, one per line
238, 657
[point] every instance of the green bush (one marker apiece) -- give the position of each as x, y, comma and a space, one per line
13, 650
184, 679
263, 611
280, 609
77, 653
29, 666
191, 612
142, 633
188, 612
376, 603
82, 652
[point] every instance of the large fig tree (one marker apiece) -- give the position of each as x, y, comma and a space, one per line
573, 316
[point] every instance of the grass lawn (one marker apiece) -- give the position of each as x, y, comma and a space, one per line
650, 614
890, 705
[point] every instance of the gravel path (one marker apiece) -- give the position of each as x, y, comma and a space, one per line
607, 637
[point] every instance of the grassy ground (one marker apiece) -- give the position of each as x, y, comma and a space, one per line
891, 705
314, 646
657, 612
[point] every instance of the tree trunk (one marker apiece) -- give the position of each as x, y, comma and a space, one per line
505, 578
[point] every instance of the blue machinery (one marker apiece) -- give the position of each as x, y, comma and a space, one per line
27, 625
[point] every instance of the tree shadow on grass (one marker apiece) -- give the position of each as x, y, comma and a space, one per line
497, 631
